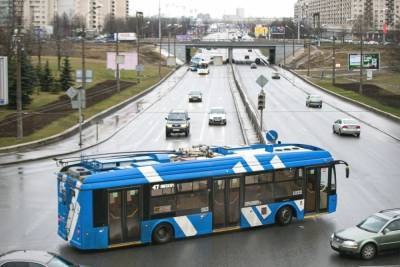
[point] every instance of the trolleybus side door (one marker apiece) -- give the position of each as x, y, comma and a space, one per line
124, 215
226, 202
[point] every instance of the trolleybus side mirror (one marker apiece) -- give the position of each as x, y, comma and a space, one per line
347, 171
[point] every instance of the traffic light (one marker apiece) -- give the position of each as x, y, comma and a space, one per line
261, 100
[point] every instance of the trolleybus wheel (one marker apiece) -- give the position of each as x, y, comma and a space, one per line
284, 215
163, 233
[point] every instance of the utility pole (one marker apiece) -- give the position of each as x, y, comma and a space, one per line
334, 60
360, 90
159, 36
83, 87
117, 74
139, 17
284, 48
309, 53
19, 7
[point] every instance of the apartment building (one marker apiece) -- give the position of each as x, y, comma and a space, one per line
340, 14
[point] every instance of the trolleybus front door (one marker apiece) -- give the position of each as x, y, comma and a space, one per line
123, 215
317, 189
226, 199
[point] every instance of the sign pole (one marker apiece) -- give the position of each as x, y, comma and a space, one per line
80, 115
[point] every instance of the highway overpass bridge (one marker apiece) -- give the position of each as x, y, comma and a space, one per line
278, 48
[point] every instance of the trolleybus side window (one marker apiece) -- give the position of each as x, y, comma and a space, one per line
258, 189
262, 188
180, 198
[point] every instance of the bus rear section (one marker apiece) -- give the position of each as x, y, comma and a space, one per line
155, 202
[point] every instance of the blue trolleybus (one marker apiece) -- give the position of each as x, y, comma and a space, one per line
114, 200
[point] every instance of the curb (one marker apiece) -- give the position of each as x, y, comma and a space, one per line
370, 108
73, 130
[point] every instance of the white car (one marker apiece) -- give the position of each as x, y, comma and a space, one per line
217, 116
346, 126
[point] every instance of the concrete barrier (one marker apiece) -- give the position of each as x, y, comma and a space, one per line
253, 114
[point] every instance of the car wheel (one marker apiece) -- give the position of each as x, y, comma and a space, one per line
320, 106
358, 135
368, 251
163, 233
284, 216
187, 132
340, 132
333, 129
167, 134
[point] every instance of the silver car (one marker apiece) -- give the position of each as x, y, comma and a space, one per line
216, 116
33, 258
314, 101
378, 232
346, 126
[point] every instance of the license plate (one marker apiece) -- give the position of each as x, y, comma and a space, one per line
175, 130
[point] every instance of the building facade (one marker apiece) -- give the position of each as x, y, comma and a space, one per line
342, 14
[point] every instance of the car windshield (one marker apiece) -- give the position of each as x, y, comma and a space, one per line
349, 121
194, 93
217, 110
372, 224
276, 74
176, 116
315, 97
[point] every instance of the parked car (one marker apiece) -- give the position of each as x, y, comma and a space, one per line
195, 96
177, 121
33, 258
217, 115
253, 66
346, 126
378, 232
275, 75
314, 101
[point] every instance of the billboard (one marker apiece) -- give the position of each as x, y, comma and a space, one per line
277, 29
3, 81
370, 61
125, 36
129, 60
260, 31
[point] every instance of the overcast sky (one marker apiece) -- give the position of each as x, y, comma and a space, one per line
216, 8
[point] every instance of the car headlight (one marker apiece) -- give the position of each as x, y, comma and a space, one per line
350, 244
169, 125
332, 236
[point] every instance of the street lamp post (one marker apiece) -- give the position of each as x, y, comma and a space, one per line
334, 60
309, 52
83, 87
360, 90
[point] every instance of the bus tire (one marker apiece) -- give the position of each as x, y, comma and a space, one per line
284, 216
163, 233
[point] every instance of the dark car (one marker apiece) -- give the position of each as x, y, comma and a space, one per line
378, 232
276, 76
177, 121
33, 258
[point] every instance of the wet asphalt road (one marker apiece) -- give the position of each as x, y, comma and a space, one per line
28, 208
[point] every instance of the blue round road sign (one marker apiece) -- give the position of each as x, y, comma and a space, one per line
271, 136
